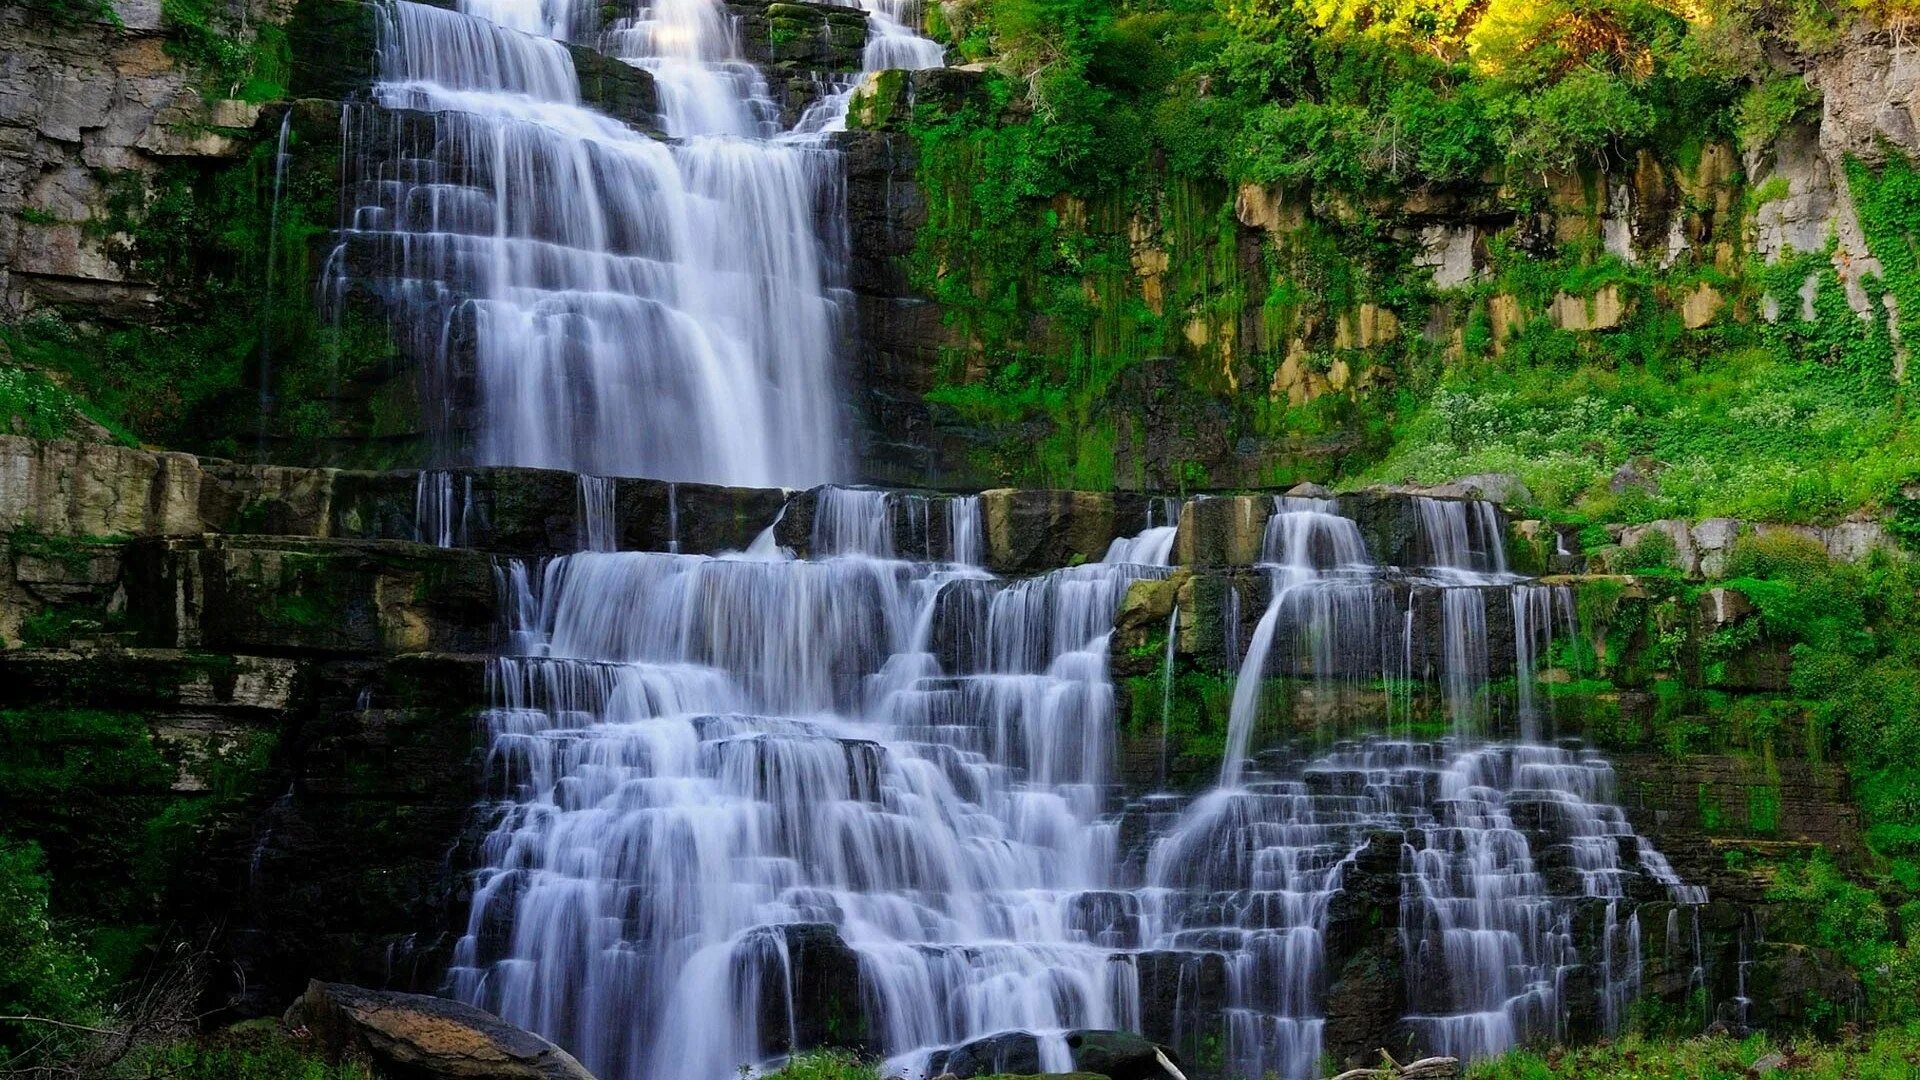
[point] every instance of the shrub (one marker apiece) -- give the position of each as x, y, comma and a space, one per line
43, 971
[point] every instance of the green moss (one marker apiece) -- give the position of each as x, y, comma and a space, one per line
240, 308
251, 63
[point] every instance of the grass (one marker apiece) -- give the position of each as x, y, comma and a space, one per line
1745, 434
1889, 1054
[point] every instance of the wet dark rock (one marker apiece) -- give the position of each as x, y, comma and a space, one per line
333, 597
1030, 532
1181, 998
615, 87
820, 981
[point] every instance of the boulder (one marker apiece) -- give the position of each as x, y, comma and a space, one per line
419, 1037
1117, 1055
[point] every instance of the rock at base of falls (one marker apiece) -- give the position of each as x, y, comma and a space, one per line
1434, 1068
1117, 1055
418, 1035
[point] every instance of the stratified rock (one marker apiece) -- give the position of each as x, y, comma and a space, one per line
1035, 531
426, 1038
1223, 531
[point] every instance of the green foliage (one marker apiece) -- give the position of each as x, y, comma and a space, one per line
79, 783
1757, 432
251, 67
1588, 115
43, 971
1653, 552
240, 277
1766, 109
1823, 907
242, 1054
1888, 1054
825, 1065
77, 11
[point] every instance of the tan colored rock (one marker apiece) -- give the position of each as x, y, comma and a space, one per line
1364, 327
426, 1037
1604, 310
1506, 318
1294, 380
1222, 531
1028, 531
64, 488
1150, 262
1266, 208
1701, 306
1149, 603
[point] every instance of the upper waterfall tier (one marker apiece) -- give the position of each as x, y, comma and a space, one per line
588, 298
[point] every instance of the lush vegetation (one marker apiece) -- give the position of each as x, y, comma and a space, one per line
826, 1065
1891, 1054
1084, 223
93, 840
238, 249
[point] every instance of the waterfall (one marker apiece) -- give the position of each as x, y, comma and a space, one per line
608, 302
701, 762
440, 517
745, 805
598, 529
1318, 568
966, 535
280, 159
718, 781
1501, 843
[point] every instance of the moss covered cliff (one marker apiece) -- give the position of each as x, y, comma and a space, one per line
1654, 258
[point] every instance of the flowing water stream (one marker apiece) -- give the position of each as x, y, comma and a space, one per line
723, 788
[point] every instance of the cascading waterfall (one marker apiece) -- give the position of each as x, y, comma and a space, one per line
701, 761
712, 772
605, 302
716, 777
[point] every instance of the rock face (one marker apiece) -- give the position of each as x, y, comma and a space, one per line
76, 102
416, 1037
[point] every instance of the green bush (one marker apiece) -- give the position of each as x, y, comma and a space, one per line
1887, 1054
826, 1065
1653, 552
44, 972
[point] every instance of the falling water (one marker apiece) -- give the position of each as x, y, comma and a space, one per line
716, 774
616, 304
1166, 690
1500, 842
720, 784
280, 158
704, 764
598, 529
966, 535
440, 517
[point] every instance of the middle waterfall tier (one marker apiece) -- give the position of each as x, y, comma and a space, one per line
751, 805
